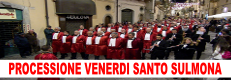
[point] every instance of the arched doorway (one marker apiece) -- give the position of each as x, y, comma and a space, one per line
141, 17
127, 15
107, 20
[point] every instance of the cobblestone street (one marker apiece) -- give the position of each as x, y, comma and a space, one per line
205, 56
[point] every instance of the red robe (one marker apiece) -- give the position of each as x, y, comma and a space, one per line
121, 29
167, 32
134, 52
156, 28
56, 43
128, 29
107, 34
66, 47
90, 49
112, 28
101, 48
46, 56
84, 32
78, 46
139, 34
125, 35
148, 43
117, 51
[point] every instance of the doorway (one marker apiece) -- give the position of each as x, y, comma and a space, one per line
108, 19
127, 15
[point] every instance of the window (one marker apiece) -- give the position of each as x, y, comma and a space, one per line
108, 7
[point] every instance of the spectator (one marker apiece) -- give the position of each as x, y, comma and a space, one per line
222, 50
48, 32
32, 39
22, 44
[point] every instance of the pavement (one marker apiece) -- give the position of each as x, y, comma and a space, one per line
205, 56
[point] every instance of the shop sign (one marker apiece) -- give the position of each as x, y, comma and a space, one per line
77, 17
7, 14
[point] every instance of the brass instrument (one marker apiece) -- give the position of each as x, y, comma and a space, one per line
198, 41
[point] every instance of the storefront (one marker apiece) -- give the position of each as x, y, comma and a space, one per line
73, 13
10, 24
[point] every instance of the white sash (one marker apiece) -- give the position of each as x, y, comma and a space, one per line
164, 33
99, 29
89, 41
55, 36
120, 28
74, 39
129, 30
64, 39
135, 34
129, 44
171, 28
97, 39
158, 29
109, 29
147, 36
112, 42
81, 32
122, 35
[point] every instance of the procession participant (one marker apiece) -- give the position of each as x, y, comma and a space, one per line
120, 27
147, 41
142, 29
172, 26
158, 48
123, 34
109, 27
138, 33
83, 31
173, 39
94, 32
100, 45
57, 40
201, 38
207, 26
185, 31
164, 32
186, 49
89, 43
98, 28
105, 33
132, 47
158, 28
113, 30
46, 55
77, 45
130, 28
115, 46
66, 44
22, 44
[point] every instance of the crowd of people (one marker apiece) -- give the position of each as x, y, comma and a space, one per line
184, 37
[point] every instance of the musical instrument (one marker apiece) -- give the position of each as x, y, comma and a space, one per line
154, 46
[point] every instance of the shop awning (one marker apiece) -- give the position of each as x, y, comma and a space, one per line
78, 7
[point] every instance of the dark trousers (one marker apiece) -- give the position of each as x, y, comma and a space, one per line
97, 57
24, 51
74, 55
199, 54
143, 55
168, 52
33, 48
49, 41
158, 55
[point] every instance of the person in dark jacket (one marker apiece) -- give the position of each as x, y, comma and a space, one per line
32, 39
48, 32
22, 44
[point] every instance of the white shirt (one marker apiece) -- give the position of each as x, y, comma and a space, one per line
119, 29
158, 29
74, 39
122, 35
158, 42
55, 36
129, 30
147, 36
109, 29
64, 39
164, 33
99, 29
129, 44
97, 39
112, 42
89, 41
81, 32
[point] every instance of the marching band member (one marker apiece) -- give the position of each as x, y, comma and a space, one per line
57, 40
100, 45
66, 44
173, 39
77, 45
132, 47
82, 31
89, 42
147, 41
201, 38
185, 31
158, 48
115, 45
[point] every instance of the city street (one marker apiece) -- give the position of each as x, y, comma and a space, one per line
205, 56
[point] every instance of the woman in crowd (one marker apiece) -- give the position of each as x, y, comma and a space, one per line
222, 50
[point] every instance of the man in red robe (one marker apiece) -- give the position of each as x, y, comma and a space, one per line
130, 28
137, 31
89, 42
98, 28
94, 32
113, 30
164, 32
66, 44
115, 45
83, 31
132, 47
147, 41
57, 40
109, 27
158, 28
77, 45
123, 34
120, 27
105, 33
100, 45
46, 55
